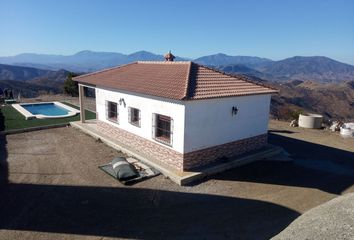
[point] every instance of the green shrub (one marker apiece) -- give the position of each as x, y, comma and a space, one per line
71, 87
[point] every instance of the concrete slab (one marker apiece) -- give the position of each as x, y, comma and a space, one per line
179, 177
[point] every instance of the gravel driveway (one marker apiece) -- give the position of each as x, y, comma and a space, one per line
56, 191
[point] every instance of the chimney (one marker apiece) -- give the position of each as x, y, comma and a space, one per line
169, 57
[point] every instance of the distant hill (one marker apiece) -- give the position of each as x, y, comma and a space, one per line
27, 89
318, 69
30, 81
321, 69
223, 59
332, 100
8, 72
84, 61
53, 79
241, 69
17, 73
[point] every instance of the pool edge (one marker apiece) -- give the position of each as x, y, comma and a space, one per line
28, 115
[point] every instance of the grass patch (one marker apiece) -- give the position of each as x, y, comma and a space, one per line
12, 119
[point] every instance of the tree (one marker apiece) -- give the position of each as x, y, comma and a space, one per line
71, 87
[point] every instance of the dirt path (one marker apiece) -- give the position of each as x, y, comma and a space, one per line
56, 191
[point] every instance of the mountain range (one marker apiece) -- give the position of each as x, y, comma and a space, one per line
84, 61
315, 68
314, 84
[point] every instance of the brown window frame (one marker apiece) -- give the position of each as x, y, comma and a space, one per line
110, 110
163, 129
134, 117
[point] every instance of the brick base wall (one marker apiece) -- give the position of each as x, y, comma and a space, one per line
206, 156
146, 147
187, 161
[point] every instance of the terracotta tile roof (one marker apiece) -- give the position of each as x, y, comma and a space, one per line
174, 80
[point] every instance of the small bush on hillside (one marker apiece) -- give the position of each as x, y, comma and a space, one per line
287, 113
71, 87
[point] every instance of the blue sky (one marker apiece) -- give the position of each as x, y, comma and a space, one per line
274, 29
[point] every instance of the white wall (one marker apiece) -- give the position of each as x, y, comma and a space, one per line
209, 122
147, 105
197, 124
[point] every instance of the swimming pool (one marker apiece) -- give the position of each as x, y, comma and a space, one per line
45, 110
49, 109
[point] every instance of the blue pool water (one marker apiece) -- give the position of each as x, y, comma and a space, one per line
49, 109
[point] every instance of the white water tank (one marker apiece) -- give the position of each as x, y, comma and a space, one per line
310, 120
347, 130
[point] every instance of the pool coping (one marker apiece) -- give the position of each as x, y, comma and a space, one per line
72, 111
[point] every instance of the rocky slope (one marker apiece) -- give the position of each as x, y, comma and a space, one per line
333, 100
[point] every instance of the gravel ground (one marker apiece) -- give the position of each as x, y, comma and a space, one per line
51, 188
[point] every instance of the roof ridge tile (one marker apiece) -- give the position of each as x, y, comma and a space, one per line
188, 80
164, 62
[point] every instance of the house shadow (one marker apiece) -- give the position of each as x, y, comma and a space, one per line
4, 169
138, 213
314, 166
281, 131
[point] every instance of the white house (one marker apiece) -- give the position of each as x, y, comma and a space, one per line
180, 113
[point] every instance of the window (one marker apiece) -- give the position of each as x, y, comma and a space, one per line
112, 111
134, 116
162, 129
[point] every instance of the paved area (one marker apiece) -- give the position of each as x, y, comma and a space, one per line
51, 188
